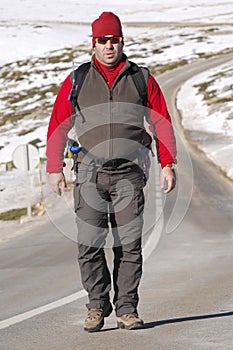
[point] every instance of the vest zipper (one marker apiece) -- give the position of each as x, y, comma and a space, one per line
110, 126
110, 147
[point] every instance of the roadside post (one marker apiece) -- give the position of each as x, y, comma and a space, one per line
226, 127
26, 158
42, 205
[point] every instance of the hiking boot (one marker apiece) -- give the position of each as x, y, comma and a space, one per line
95, 319
130, 321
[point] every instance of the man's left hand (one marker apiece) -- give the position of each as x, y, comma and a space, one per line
167, 179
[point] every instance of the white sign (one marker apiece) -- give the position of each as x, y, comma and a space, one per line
26, 157
225, 125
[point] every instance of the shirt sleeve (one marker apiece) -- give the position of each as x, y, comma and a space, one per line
162, 124
59, 125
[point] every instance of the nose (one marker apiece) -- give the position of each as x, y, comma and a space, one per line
109, 44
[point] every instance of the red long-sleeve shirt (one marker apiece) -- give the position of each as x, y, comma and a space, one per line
61, 121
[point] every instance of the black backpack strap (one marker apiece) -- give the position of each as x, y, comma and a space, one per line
77, 78
139, 81
142, 87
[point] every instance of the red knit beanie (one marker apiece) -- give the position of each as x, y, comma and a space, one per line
106, 24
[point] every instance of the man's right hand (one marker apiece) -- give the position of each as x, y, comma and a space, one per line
56, 182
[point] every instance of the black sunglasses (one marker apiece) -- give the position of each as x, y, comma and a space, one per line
104, 39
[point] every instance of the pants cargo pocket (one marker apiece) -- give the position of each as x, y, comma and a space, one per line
84, 174
138, 201
77, 196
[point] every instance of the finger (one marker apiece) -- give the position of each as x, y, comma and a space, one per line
64, 184
162, 180
170, 185
55, 187
57, 190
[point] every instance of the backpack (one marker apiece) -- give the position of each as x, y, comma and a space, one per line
78, 76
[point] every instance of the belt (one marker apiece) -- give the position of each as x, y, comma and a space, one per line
115, 163
102, 162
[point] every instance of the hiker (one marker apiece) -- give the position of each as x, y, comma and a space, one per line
108, 118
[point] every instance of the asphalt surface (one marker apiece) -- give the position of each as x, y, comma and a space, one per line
186, 290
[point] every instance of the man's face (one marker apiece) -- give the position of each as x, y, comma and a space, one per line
108, 49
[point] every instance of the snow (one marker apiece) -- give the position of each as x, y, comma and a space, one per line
199, 116
132, 10
36, 31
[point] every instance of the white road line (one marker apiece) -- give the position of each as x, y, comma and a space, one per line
40, 310
147, 250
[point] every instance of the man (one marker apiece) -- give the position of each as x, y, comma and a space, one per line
109, 185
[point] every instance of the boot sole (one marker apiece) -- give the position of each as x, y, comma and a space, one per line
136, 325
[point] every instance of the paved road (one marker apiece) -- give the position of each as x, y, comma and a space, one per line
186, 291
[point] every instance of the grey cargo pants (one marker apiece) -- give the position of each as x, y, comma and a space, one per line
117, 197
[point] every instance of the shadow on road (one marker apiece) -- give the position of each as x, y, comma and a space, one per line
185, 319
154, 324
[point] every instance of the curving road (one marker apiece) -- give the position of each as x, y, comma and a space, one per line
186, 291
